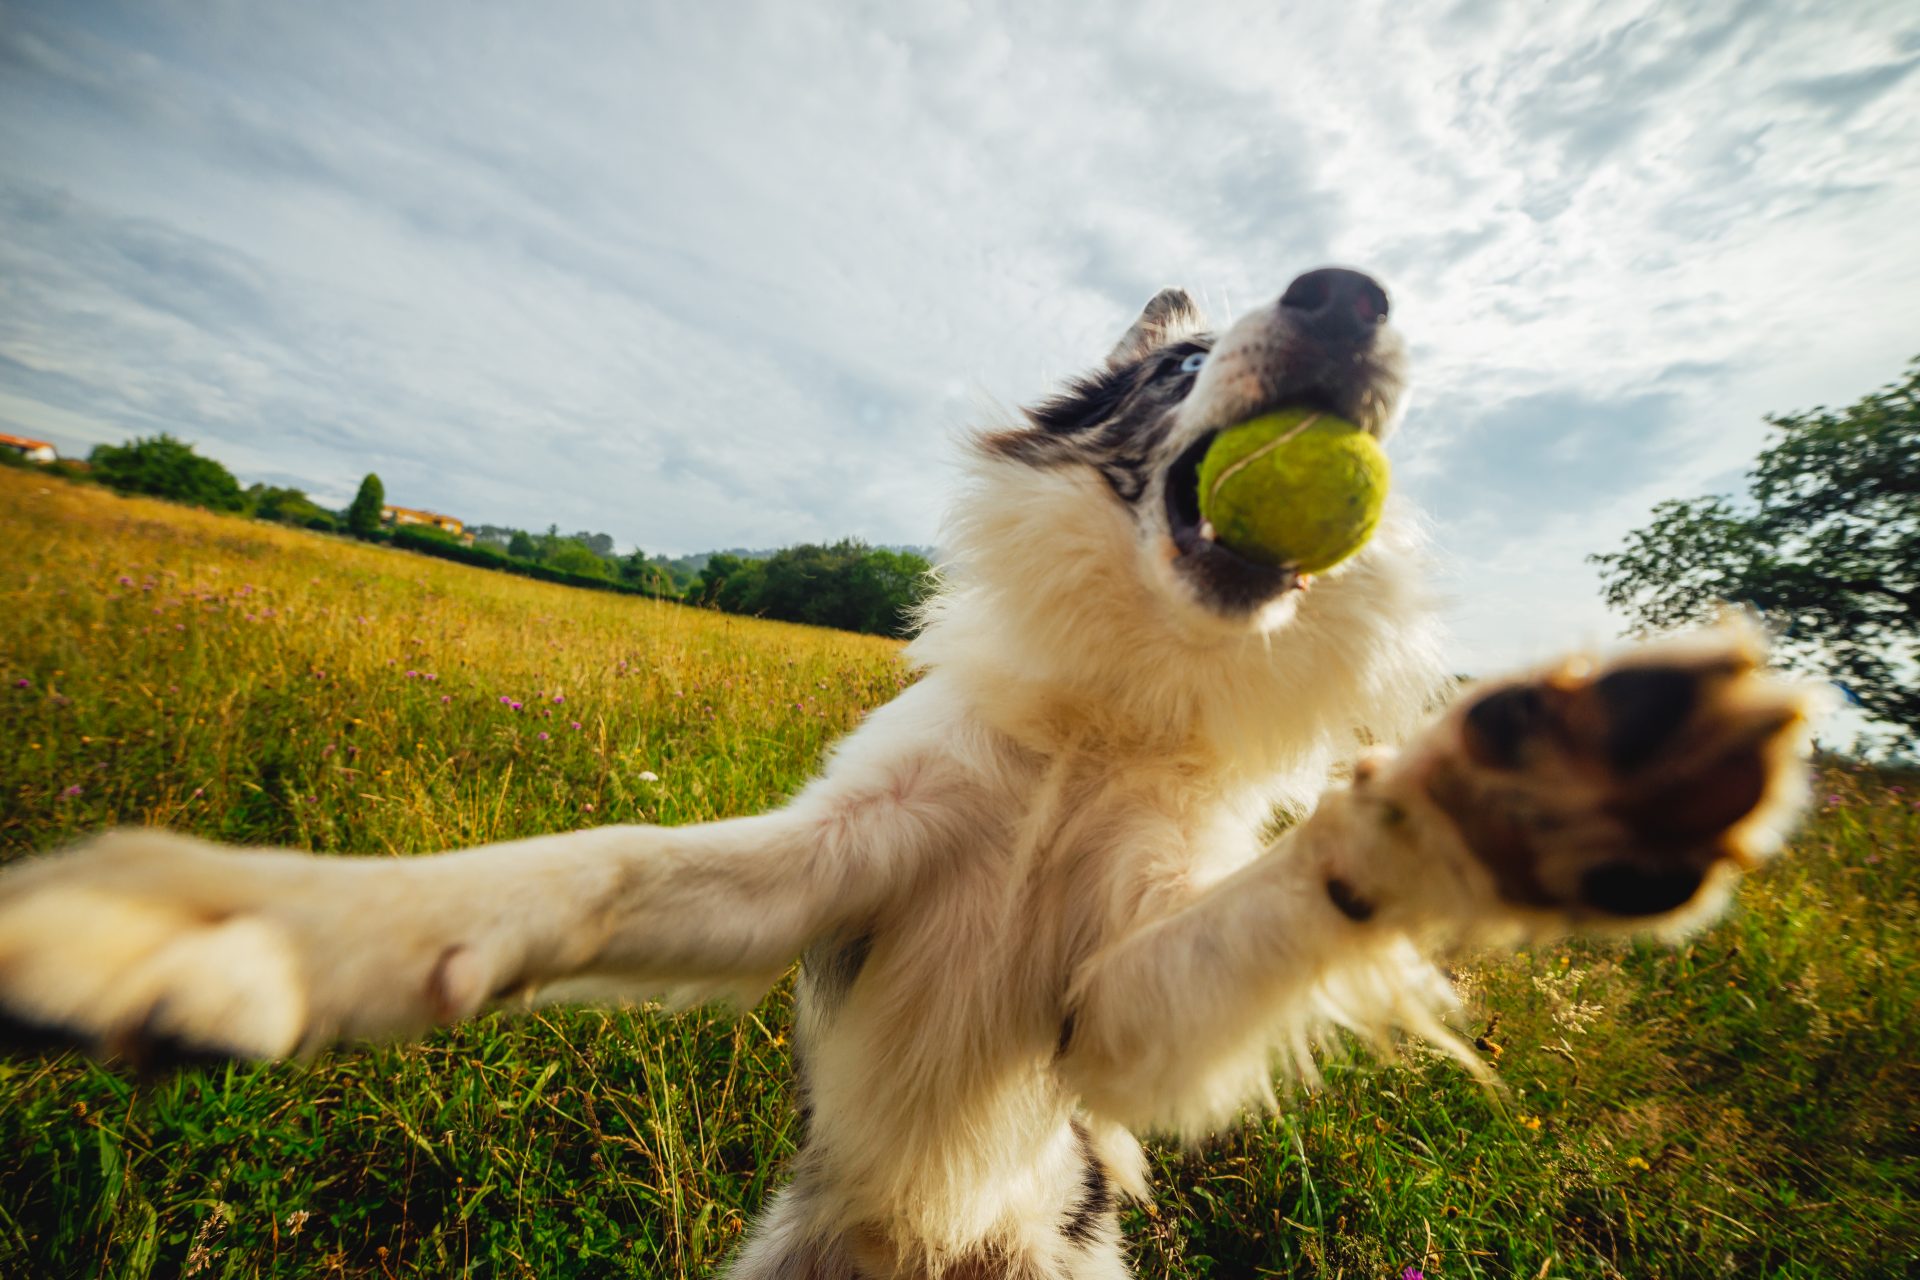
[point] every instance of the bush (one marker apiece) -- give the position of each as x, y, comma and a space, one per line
289, 506
577, 557
848, 585
432, 542
163, 467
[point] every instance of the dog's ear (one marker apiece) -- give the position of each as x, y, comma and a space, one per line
1168, 316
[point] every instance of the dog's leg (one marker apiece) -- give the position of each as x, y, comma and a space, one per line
1582, 797
146, 944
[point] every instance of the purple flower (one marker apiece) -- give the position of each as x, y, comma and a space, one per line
413, 675
198, 792
446, 697
1413, 1273
559, 697
543, 737
71, 791
23, 683
575, 723
505, 701
516, 706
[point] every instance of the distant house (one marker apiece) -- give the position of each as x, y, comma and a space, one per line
31, 450
397, 516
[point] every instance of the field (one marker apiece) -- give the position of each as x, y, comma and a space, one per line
1746, 1106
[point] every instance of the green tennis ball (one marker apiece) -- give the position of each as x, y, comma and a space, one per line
1296, 488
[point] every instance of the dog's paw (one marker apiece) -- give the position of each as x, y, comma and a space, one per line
155, 949
1628, 792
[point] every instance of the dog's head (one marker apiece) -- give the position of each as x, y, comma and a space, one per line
1078, 563
1143, 419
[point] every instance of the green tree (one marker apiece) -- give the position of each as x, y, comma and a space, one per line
164, 467
520, 546
848, 585
573, 557
731, 583
363, 516
1825, 546
636, 570
288, 506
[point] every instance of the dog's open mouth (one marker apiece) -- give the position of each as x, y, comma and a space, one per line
1227, 580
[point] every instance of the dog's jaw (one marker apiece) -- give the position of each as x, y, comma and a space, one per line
1266, 361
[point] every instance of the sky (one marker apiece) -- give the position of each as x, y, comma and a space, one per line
742, 274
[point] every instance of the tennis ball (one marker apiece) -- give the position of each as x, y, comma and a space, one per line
1297, 488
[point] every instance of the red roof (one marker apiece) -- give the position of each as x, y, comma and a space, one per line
21, 442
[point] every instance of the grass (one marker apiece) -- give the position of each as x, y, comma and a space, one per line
1748, 1105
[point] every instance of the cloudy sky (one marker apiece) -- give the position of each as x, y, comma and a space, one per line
732, 274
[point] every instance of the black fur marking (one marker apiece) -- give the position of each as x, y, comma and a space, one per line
1348, 900
1097, 1201
1645, 705
1109, 419
832, 967
1066, 1036
27, 1038
1623, 889
1087, 402
1501, 723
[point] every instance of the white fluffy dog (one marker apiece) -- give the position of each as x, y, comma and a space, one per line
1035, 902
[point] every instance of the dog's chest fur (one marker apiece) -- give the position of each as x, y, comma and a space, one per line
924, 1042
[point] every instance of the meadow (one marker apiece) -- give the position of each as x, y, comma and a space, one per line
1746, 1105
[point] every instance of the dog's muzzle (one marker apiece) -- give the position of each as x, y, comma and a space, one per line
1324, 345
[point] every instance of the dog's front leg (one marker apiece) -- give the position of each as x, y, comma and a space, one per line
145, 944
1581, 797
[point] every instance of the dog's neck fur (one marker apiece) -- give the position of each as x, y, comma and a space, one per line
1059, 643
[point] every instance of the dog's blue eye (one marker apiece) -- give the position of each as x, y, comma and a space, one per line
1193, 362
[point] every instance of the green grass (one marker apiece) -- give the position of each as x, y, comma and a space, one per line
1745, 1106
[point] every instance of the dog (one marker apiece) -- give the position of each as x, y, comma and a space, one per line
1036, 898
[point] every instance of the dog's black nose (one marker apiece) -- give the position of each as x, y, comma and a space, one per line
1336, 305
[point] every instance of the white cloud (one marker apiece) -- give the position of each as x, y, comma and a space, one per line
705, 277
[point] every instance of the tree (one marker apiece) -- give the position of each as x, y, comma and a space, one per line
164, 467
288, 506
520, 546
847, 585
1825, 547
601, 544
572, 557
638, 571
363, 516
